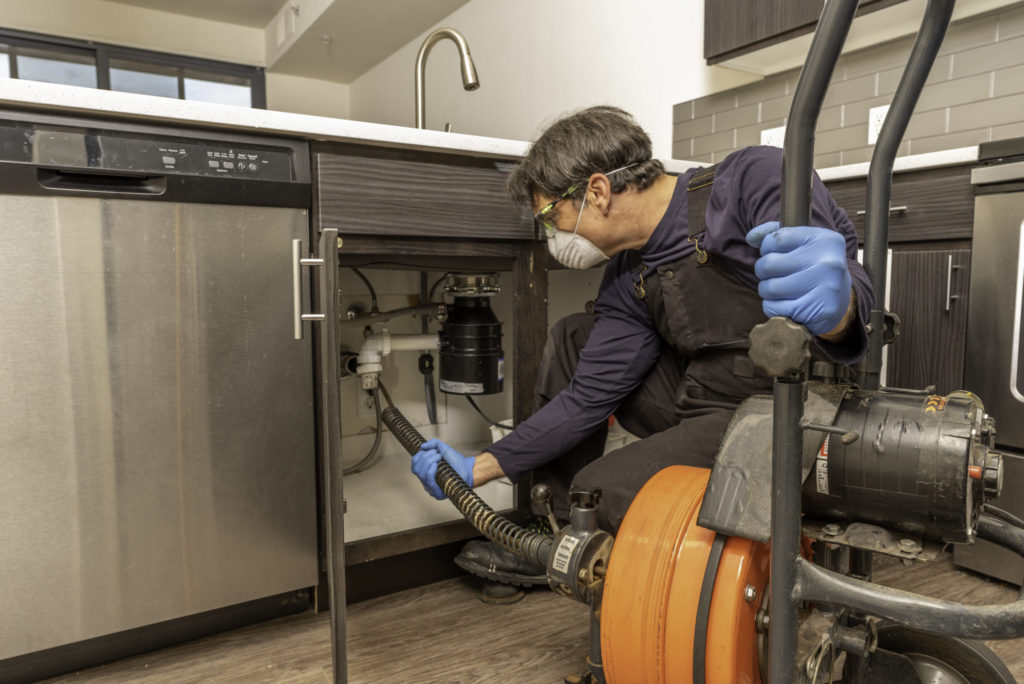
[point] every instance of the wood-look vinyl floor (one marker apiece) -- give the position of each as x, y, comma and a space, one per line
442, 633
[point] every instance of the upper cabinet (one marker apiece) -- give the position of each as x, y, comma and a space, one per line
737, 27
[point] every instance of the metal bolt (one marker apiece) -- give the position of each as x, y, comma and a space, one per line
750, 593
584, 574
909, 546
832, 530
762, 622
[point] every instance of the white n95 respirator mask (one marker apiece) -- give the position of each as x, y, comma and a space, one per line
572, 250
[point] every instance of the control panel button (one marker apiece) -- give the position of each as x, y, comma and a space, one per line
214, 164
229, 165
169, 160
252, 166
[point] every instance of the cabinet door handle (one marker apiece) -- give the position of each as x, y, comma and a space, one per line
1015, 342
902, 209
949, 281
297, 263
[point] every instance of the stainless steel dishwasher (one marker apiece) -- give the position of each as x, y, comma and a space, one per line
993, 368
157, 455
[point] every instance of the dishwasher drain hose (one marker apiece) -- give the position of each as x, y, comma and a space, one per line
505, 533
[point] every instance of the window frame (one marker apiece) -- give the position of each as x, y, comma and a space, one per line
103, 53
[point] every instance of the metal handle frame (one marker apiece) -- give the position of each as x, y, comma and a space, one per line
298, 261
330, 429
793, 579
330, 440
1015, 340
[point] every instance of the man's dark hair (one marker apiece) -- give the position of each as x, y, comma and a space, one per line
594, 140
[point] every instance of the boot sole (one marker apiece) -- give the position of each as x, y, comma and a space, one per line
495, 575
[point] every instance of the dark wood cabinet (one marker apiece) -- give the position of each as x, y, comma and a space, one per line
928, 205
929, 292
377, 191
930, 227
736, 27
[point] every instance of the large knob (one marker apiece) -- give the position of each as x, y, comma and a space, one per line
779, 346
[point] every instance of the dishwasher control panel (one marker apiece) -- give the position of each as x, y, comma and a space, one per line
99, 150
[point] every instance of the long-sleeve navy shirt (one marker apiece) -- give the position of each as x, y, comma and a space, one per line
624, 344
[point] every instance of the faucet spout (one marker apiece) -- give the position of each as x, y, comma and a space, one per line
470, 80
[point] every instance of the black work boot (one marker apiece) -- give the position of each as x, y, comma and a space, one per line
492, 562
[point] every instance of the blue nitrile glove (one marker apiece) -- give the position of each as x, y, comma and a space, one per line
803, 274
424, 465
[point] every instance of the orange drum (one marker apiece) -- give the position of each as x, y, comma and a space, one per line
653, 586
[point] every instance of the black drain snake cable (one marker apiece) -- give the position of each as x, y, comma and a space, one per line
505, 533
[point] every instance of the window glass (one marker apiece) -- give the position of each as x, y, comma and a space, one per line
145, 79
5, 62
217, 88
57, 67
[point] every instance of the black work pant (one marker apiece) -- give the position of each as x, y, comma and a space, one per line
673, 429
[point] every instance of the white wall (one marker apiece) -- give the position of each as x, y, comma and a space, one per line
288, 93
111, 22
537, 59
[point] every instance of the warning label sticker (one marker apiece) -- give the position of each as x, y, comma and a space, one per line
821, 467
563, 554
455, 387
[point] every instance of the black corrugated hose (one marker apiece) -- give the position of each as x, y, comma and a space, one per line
505, 533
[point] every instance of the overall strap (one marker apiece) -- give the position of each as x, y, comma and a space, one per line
698, 192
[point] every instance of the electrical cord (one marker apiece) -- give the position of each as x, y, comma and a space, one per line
489, 421
372, 455
433, 288
366, 281
1003, 514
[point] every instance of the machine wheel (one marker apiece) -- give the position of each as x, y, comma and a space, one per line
939, 659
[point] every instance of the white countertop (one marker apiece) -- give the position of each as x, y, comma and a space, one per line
930, 160
74, 100
106, 103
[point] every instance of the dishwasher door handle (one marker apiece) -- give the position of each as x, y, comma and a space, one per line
297, 263
108, 183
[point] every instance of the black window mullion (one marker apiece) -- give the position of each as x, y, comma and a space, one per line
102, 68
103, 53
258, 87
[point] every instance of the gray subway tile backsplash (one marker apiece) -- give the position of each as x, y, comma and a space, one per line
712, 104
856, 113
776, 108
778, 86
853, 90
979, 60
840, 139
970, 89
735, 118
1008, 81
950, 141
927, 124
715, 142
1015, 130
1011, 24
995, 112
693, 128
974, 32
975, 93
882, 57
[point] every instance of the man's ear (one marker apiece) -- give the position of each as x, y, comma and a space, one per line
599, 192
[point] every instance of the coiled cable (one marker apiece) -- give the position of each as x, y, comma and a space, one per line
504, 532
